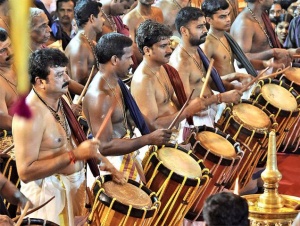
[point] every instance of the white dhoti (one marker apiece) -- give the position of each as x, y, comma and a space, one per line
69, 201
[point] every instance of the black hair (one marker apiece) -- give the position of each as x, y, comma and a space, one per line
284, 17
3, 34
111, 44
84, 9
226, 209
59, 1
150, 32
185, 15
210, 7
41, 60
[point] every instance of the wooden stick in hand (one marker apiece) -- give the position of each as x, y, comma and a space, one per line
296, 56
181, 110
8, 149
253, 80
105, 121
85, 87
23, 214
275, 73
34, 209
211, 63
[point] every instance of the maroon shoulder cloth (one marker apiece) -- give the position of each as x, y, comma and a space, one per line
79, 135
177, 86
270, 31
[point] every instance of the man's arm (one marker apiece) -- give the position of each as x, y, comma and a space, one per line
28, 136
5, 118
97, 112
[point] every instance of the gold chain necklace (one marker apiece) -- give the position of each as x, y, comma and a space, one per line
110, 20
225, 47
92, 47
142, 15
165, 87
199, 66
61, 120
122, 106
261, 27
11, 84
6, 24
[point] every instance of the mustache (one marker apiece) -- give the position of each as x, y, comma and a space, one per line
65, 84
203, 36
9, 57
167, 55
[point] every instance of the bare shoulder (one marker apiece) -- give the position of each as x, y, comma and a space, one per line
76, 47
243, 21
179, 59
158, 14
131, 17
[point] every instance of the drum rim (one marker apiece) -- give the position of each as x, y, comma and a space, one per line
38, 221
260, 100
236, 122
213, 157
120, 207
177, 177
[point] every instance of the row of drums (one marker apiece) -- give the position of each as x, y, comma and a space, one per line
179, 180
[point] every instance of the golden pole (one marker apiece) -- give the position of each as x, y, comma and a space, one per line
20, 41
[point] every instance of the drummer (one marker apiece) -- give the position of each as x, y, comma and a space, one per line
190, 23
114, 53
155, 78
50, 161
8, 84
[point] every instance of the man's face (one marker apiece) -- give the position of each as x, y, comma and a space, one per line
125, 62
220, 20
161, 51
120, 7
57, 81
6, 53
275, 11
197, 31
65, 12
40, 31
98, 22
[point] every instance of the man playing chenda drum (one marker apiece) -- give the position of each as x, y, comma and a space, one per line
156, 79
8, 83
49, 162
114, 53
190, 23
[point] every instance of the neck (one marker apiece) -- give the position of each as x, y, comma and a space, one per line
145, 10
49, 100
6, 69
188, 47
256, 8
90, 33
108, 75
154, 67
217, 33
35, 46
66, 27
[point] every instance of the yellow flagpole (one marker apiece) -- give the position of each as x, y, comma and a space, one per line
19, 35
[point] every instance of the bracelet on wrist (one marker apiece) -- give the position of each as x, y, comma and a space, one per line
72, 157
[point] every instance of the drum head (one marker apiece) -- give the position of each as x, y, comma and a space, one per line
251, 116
279, 97
128, 194
217, 144
179, 162
293, 75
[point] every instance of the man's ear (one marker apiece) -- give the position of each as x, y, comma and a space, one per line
40, 82
146, 50
208, 19
114, 59
184, 31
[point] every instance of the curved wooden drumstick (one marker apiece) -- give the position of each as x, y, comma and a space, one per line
254, 80
86, 86
23, 214
181, 110
211, 63
8, 149
275, 73
33, 210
